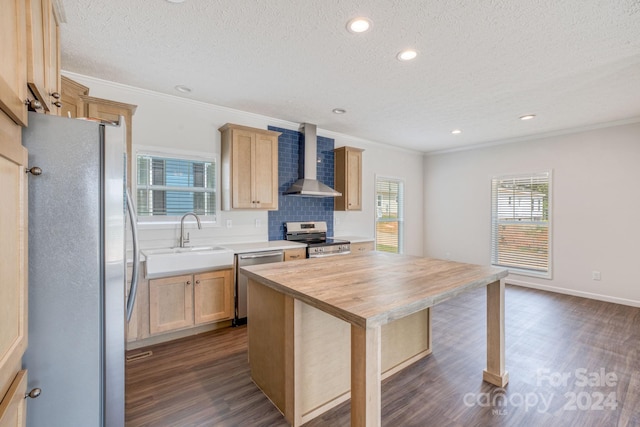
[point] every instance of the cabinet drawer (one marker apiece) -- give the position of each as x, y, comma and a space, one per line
13, 407
295, 254
358, 248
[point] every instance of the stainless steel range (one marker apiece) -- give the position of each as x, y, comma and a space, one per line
314, 234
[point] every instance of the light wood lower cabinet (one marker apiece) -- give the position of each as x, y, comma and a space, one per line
295, 254
213, 296
185, 301
361, 247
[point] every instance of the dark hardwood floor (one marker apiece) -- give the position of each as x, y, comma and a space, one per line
571, 362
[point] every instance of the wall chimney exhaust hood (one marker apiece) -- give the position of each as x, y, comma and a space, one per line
308, 185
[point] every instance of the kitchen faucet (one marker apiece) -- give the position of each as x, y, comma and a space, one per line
182, 238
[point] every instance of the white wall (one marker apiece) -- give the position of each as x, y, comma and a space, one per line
378, 160
173, 122
596, 207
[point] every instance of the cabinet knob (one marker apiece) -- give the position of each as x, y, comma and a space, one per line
197, 282
33, 104
58, 104
33, 393
34, 171
55, 95
188, 282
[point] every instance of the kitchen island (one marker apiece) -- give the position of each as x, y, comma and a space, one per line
326, 329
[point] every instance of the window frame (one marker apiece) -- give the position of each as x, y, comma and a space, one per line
515, 270
401, 210
169, 221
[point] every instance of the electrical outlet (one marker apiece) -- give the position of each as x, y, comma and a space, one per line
595, 275
229, 223
258, 223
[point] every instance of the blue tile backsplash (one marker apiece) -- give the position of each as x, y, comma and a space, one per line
290, 165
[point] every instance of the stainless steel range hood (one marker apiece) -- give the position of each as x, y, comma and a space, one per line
309, 186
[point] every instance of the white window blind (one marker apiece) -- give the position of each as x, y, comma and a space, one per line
521, 223
389, 214
172, 187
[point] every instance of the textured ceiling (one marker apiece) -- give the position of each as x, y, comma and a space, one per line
480, 65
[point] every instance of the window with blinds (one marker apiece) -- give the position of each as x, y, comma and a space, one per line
172, 187
389, 214
521, 223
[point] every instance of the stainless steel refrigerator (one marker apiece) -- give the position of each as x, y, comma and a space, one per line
77, 268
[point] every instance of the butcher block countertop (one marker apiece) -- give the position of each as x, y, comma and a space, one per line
373, 288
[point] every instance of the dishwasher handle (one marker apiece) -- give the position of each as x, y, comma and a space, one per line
260, 255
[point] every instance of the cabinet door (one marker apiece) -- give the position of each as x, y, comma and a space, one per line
13, 66
213, 296
13, 407
266, 172
13, 252
354, 180
43, 76
72, 105
54, 88
242, 169
170, 303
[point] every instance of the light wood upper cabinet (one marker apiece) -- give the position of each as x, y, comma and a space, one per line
72, 104
184, 301
348, 179
43, 55
13, 68
106, 109
249, 168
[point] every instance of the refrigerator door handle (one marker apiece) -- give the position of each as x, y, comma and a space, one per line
133, 290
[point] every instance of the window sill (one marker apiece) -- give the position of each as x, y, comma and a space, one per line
520, 272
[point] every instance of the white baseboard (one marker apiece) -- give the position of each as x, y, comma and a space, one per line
600, 297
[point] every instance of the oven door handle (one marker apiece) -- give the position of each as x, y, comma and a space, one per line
260, 255
331, 254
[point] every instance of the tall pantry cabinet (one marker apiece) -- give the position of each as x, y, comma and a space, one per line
29, 78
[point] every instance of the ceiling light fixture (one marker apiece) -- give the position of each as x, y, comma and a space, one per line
183, 89
527, 117
407, 55
339, 110
175, 1
456, 131
358, 25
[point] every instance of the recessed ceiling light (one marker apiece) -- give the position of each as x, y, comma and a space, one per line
527, 117
456, 131
183, 89
358, 25
175, 1
339, 110
407, 55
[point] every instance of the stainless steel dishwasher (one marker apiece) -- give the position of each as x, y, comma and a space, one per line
244, 260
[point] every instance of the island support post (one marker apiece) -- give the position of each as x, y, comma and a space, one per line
495, 373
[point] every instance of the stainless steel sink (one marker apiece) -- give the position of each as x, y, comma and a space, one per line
172, 261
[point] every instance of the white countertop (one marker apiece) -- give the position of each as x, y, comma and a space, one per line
272, 245
355, 239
